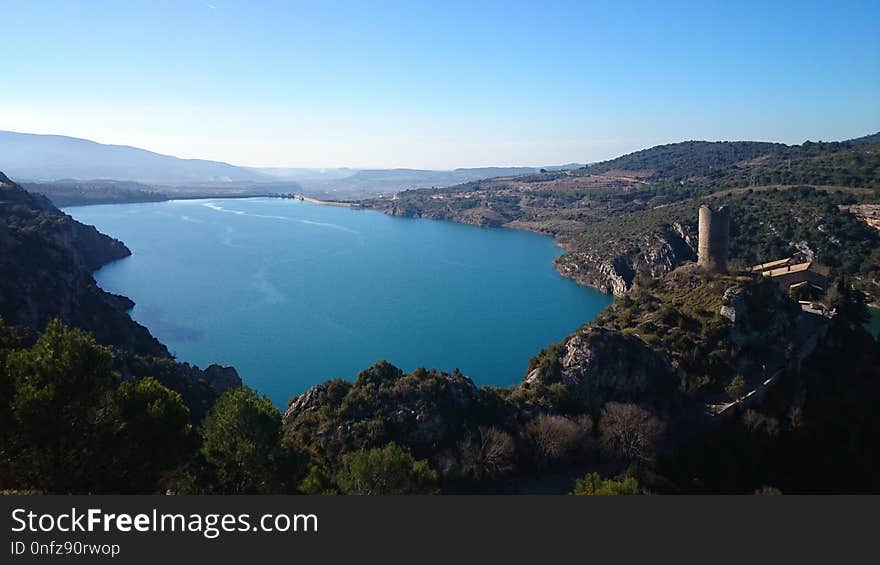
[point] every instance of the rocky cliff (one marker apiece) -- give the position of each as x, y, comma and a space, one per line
426, 410
46, 261
46, 258
612, 266
679, 341
601, 365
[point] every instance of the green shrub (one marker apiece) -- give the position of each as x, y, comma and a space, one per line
594, 485
385, 470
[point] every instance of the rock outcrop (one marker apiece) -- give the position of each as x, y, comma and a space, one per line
601, 365
868, 213
422, 410
759, 314
614, 270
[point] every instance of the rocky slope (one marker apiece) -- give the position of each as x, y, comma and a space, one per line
612, 266
599, 365
680, 339
427, 411
712, 328
46, 260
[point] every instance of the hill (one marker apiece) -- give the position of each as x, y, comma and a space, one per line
718, 164
71, 192
27, 156
356, 184
637, 213
686, 159
73, 171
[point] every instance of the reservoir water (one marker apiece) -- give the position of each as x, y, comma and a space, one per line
293, 294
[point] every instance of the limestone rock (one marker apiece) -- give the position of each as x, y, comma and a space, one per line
221, 378
599, 365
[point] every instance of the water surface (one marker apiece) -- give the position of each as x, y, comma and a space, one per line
874, 322
293, 293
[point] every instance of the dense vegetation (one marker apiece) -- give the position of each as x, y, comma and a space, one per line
678, 161
77, 193
746, 163
71, 424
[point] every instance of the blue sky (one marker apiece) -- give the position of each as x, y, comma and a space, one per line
439, 84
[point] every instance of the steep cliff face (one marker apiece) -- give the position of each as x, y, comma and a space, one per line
612, 275
87, 246
612, 267
599, 365
758, 315
46, 259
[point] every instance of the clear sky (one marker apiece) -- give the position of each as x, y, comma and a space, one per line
437, 84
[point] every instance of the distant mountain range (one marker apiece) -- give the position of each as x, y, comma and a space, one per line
352, 184
32, 157
35, 158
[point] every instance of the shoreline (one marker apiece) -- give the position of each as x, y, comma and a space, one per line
165, 198
338, 204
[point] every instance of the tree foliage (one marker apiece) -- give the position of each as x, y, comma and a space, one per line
594, 485
244, 448
385, 470
76, 427
737, 388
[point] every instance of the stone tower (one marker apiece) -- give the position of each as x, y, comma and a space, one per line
713, 239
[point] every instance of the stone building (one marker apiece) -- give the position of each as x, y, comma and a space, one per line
796, 274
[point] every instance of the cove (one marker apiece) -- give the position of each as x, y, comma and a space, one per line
293, 293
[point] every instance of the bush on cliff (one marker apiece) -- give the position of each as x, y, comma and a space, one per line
73, 426
426, 410
243, 449
385, 470
594, 485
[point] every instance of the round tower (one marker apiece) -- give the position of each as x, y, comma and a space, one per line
713, 238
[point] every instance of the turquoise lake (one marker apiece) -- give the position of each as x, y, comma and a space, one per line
293, 294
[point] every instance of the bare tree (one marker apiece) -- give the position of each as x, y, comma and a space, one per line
487, 455
629, 431
557, 437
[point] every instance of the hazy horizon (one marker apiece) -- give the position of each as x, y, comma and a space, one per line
397, 85
404, 167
